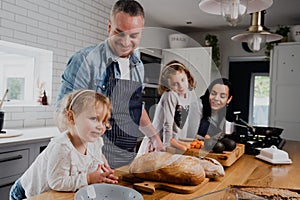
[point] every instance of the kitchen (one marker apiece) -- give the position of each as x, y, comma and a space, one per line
58, 26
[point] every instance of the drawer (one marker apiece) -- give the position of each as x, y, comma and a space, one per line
13, 162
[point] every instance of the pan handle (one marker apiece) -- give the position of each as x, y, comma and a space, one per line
247, 124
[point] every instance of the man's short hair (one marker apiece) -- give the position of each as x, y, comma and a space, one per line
131, 7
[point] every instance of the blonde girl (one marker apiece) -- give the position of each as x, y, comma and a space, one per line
75, 158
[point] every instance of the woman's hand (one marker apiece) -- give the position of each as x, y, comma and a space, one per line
102, 175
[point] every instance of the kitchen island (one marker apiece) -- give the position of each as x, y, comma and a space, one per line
248, 170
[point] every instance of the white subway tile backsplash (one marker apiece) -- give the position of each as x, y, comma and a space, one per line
26, 20
27, 5
11, 7
13, 108
12, 25
13, 124
67, 33
20, 115
42, 3
6, 32
50, 122
34, 123
58, 23
45, 115
4, 14
58, 8
75, 28
47, 12
62, 26
38, 16
48, 27
36, 31
25, 36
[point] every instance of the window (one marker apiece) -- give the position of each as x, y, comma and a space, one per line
16, 88
21, 69
259, 99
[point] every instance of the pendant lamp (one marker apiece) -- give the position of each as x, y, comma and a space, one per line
233, 10
257, 34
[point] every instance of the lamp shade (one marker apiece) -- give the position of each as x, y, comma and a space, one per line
256, 41
214, 6
257, 34
245, 37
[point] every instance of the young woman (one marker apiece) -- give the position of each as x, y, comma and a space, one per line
215, 101
75, 158
178, 107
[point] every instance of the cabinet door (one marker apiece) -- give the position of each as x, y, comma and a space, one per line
285, 89
12, 165
197, 59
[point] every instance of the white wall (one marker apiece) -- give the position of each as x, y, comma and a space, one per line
62, 26
229, 48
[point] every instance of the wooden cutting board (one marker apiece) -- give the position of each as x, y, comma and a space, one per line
227, 158
150, 186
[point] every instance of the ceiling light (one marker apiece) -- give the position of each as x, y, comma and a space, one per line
234, 10
257, 34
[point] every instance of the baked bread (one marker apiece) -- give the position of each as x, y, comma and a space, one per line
166, 167
270, 193
212, 167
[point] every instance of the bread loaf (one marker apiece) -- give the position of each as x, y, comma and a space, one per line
166, 167
212, 167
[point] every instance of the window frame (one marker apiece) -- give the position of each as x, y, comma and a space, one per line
42, 71
251, 96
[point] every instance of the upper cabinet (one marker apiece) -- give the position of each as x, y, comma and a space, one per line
285, 89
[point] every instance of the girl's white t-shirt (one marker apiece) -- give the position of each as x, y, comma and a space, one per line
61, 167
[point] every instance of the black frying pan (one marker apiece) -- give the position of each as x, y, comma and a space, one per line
261, 130
270, 131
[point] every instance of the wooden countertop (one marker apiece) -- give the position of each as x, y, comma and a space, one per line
248, 170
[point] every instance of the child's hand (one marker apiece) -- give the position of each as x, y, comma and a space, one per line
102, 177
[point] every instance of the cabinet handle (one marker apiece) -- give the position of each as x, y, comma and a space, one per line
11, 158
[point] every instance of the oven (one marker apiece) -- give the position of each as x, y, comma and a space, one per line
152, 60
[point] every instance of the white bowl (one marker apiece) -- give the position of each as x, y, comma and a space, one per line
107, 192
178, 40
295, 33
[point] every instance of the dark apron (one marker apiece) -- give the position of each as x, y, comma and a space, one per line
126, 100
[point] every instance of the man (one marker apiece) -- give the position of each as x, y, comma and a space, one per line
114, 69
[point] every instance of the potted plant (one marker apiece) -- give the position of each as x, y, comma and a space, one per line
284, 31
212, 41
281, 30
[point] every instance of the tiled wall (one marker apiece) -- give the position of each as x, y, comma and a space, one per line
62, 26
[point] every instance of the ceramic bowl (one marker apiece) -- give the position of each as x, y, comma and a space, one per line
107, 192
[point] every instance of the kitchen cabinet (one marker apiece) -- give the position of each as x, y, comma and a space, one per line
17, 154
285, 89
14, 161
198, 61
